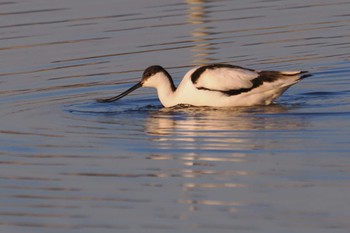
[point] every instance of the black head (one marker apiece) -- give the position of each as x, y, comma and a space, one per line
155, 69
152, 70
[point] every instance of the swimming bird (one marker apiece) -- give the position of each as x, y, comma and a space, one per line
217, 85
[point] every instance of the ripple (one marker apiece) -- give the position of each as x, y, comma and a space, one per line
33, 11
69, 163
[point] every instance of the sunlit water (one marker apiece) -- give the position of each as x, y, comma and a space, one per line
69, 164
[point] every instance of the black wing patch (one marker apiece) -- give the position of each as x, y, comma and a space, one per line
198, 72
264, 76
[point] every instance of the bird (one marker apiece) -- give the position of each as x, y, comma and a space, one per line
216, 85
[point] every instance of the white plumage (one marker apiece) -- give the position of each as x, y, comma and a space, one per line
225, 79
217, 85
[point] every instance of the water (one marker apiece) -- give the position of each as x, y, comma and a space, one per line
70, 164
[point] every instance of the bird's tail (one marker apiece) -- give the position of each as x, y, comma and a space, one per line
302, 74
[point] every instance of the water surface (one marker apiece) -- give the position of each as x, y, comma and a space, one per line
70, 164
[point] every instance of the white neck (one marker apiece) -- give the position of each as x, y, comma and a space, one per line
165, 88
166, 92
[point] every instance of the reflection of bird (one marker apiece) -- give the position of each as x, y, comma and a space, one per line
217, 85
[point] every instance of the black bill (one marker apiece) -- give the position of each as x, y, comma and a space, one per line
112, 99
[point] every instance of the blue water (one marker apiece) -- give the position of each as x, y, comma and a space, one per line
68, 163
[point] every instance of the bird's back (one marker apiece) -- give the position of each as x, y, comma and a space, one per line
229, 85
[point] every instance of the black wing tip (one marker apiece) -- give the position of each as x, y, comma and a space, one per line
304, 74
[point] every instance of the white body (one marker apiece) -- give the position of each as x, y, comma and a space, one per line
222, 79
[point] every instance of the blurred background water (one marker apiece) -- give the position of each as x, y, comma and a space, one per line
70, 164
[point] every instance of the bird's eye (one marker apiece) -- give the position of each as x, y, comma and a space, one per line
148, 74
